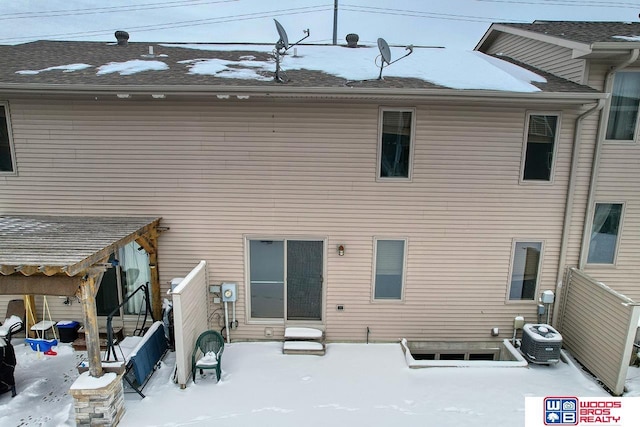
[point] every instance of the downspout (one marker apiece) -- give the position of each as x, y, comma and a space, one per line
633, 57
568, 211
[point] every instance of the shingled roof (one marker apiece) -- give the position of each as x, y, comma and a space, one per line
81, 65
584, 32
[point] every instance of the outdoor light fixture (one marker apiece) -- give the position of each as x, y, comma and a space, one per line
123, 95
341, 250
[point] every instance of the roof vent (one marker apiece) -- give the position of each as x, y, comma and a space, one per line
352, 40
122, 37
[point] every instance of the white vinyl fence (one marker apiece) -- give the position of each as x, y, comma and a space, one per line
598, 326
189, 317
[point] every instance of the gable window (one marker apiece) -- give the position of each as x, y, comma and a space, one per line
525, 268
604, 233
396, 143
6, 153
389, 269
623, 111
540, 148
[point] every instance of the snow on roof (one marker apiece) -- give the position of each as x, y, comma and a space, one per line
64, 68
131, 67
628, 38
456, 69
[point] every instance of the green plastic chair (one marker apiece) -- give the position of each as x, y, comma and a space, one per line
207, 353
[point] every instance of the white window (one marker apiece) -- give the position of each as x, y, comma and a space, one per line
623, 111
389, 269
603, 243
540, 147
395, 149
525, 268
7, 162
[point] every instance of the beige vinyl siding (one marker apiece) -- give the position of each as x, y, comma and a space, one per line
218, 171
190, 313
546, 56
618, 181
598, 326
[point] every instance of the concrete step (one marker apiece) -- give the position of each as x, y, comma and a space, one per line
303, 347
302, 340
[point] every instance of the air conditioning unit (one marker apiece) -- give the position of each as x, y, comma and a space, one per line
541, 343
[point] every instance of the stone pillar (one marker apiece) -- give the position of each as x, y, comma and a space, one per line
98, 401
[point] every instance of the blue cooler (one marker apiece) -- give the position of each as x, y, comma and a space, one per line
68, 330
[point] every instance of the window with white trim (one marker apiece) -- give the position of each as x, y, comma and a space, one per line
7, 164
622, 124
525, 267
395, 147
605, 230
540, 147
389, 269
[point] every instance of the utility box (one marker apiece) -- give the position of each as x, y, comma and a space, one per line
229, 292
68, 330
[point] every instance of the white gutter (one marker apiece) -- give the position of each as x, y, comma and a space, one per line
633, 57
568, 211
281, 91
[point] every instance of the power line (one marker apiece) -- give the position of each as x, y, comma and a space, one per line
109, 9
419, 14
569, 3
181, 24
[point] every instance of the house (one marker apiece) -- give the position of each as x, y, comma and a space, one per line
436, 203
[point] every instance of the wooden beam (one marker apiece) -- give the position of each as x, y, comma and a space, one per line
92, 333
31, 318
156, 301
17, 284
105, 252
146, 245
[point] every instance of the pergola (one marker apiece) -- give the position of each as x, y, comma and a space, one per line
67, 255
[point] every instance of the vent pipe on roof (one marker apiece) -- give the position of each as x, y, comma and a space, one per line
352, 40
122, 37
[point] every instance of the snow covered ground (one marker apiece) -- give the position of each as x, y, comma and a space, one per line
353, 384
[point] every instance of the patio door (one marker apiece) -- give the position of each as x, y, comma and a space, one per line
304, 279
285, 279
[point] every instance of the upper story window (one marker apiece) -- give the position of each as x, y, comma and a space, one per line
604, 233
395, 150
7, 164
623, 111
541, 141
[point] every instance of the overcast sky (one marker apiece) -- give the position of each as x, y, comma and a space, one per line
449, 23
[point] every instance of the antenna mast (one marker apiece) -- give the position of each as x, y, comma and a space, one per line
282, 46
335, 22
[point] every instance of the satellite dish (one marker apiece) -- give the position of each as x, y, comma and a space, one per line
282, 46
385, 54
384, 50
284, 39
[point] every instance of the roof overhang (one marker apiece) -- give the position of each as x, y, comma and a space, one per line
132, 92
61, 247
598, 50
495, 29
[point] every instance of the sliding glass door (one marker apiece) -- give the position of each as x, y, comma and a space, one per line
285, 279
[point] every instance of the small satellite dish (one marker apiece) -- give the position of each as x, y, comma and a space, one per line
385, 54
282, 46
384, 50
284, 39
